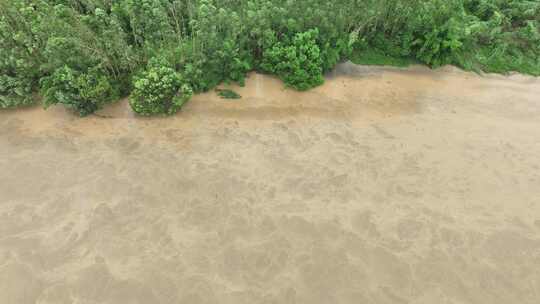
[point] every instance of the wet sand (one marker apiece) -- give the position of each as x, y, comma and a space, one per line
382, 186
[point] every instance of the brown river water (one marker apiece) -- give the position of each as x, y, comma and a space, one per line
383, 185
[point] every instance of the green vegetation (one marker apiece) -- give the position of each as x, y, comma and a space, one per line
83, 92
373, 56
86, 53
297, 62
228, 94
159, 89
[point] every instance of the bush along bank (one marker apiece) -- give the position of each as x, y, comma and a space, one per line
84, 54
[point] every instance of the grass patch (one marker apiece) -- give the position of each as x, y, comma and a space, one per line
509, 62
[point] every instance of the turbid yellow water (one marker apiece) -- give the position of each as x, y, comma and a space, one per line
381, 186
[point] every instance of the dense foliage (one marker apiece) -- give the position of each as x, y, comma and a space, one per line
86, 53
159, 89
297, 62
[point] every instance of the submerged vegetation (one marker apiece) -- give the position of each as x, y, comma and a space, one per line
86, 53
228, 94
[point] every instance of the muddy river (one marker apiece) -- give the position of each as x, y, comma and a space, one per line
382, 186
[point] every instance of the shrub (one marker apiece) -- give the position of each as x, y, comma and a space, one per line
297, 62
20, 52
441, 33
159, 90
218, 47
14, 92
83, 92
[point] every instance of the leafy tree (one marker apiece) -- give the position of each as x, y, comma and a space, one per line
20, 51
83, 92
298, 62
159, 90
